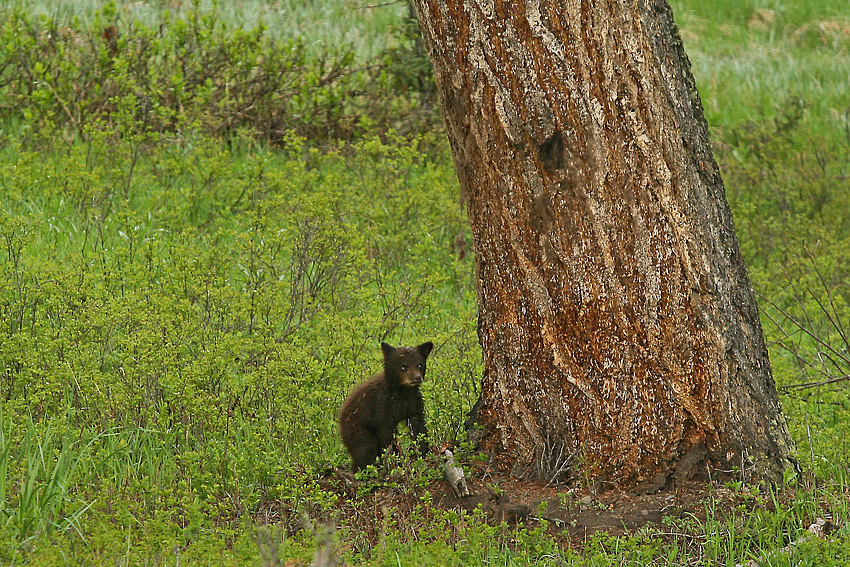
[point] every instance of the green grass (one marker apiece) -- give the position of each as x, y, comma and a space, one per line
183, 308
749, 57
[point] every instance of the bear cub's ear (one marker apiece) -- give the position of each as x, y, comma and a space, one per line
388, 350
425, 349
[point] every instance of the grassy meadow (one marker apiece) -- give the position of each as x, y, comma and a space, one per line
211, 214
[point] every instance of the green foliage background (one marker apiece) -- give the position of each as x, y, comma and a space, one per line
209, 223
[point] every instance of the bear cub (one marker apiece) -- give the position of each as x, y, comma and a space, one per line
370, 414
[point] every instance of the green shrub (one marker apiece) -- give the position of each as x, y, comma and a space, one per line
194, 71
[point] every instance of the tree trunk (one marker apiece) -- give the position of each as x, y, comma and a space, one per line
618, 324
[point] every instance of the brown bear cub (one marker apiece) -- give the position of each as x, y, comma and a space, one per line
370, 414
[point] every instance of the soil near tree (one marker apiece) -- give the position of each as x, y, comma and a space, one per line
572, 513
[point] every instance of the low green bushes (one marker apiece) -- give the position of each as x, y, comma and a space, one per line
194, 71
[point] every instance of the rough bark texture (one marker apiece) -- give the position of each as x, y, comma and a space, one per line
617, 318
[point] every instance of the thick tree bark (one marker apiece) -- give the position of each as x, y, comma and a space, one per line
617, 320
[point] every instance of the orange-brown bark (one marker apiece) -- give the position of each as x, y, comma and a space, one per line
616, 315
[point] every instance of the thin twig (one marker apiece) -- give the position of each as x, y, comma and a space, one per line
370, 6
834, 313
804, 328
64, 106
805, 385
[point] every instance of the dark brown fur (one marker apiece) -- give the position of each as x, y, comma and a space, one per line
370, 414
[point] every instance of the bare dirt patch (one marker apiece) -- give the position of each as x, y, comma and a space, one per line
573, 514
580, 514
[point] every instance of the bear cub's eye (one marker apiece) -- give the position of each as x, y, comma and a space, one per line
403, 367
